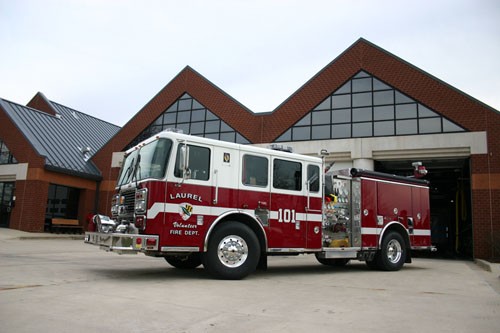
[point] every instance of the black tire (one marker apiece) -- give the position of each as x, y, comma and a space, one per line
336, 262
392, 255
233, 251
189, 261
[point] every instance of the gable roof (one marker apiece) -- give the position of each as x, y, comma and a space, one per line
67, 139
267, 127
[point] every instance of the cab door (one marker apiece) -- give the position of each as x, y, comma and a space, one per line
288, 220
190, 196
254, 185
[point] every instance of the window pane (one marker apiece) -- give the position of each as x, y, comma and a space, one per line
212, 126
287, 175
383, 112
341, 131
225, 127
184, 104
214, 136
241, 139
325, 105
361, 74
341, 116
383, 128
211, 116
173, 107
198, 115
158, 121
404, 127
383, 97
313, 178
379, 85
320, 132
346, 88
197, 128
400, 98
228, 136
425, 112
361, 114
184, 127
169, 118
304, 121
301, 133
287, 136
361, 129
341, 101
320, 117
197, 105
362, 84
429, 125
404, 111
363, 99
255, 171
183, 117
448, 126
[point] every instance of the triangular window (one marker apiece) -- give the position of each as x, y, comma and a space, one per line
367, 107
6, 156
193, 118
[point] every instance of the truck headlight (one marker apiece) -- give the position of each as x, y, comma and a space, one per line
141, 201
114, 204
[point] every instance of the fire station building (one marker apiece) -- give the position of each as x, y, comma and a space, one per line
368, 108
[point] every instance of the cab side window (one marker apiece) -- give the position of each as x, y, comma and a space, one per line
313, 178
255, 171
287, 175
198, 164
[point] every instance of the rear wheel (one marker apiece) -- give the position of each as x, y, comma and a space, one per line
392, 255
233, 251
189, 261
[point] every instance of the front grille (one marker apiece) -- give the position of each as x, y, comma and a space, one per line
129, 201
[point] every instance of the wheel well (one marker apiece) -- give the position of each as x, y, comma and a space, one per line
400, 229
246, 220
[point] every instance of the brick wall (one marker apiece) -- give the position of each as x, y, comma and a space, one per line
29, 213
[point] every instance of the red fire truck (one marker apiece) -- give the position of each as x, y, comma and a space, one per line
194, 200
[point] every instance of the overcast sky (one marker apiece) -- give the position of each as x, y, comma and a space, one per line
108, 58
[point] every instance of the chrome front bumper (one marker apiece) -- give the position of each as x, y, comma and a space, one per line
123, 243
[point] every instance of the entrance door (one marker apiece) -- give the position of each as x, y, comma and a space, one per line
6, 195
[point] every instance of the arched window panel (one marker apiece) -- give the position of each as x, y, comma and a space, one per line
192, 117
365, 106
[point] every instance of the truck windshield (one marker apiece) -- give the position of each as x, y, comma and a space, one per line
150, 161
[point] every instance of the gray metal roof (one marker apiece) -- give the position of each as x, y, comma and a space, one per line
62, 139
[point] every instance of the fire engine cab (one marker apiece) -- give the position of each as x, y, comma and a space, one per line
194, 201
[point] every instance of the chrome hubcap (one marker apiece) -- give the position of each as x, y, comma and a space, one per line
232, 251
394, 251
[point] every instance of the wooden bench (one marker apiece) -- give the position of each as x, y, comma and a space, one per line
66, 225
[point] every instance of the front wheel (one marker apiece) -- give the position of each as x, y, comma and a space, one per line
392, 255
233, 251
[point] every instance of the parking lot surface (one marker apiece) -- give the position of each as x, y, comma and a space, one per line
64, 285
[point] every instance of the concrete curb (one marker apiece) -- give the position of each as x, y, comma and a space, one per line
488, 266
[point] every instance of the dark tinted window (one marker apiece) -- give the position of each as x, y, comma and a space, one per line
287, 175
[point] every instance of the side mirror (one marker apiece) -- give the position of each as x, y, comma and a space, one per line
184, 161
